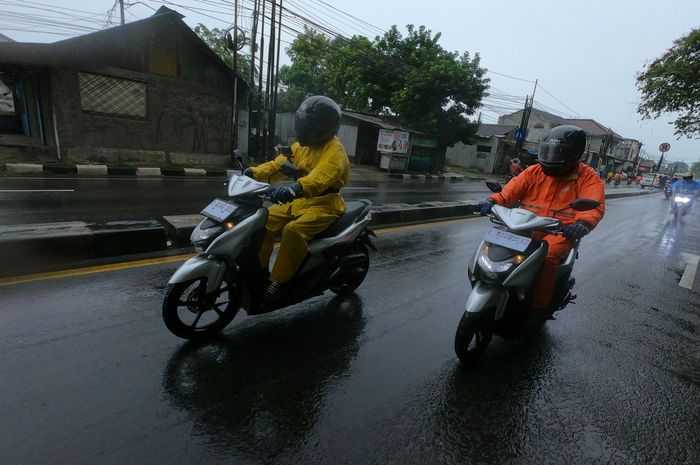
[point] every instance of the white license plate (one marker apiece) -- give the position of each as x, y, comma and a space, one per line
507, 240
219, 210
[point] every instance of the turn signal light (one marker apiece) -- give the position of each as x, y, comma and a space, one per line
229, 225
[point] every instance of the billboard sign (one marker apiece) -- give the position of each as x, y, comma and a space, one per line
392, 141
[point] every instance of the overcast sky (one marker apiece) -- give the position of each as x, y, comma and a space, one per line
585, 53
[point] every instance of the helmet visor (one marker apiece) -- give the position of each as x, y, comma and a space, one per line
551, 152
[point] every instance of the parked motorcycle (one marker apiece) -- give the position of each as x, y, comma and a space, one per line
502, 273
206, 293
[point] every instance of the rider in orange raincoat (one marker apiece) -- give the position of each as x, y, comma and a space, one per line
547, 189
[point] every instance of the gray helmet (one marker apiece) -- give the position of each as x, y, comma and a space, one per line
561, 149
316, 121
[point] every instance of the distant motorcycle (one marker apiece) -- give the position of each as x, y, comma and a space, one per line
680, 205
208, 290
502, 274
668, 191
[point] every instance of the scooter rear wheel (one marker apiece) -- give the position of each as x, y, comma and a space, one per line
473, 336
189, 314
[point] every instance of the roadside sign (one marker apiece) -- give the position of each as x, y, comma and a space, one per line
392, 141
665, 147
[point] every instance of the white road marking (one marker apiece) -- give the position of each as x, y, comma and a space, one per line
36, 190
691, 268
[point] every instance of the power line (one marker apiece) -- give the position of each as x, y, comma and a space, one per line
559, 101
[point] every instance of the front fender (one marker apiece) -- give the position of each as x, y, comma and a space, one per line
483, 297
199, 267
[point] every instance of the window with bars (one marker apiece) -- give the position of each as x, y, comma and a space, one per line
112, 96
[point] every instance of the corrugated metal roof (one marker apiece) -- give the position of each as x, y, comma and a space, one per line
592, 127
490, 130
377, 120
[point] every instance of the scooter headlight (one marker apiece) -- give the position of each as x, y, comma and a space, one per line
492, 268
681, 199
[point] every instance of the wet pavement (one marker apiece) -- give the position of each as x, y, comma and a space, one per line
91, 376
39, 200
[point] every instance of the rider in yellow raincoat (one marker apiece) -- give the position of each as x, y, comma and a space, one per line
310, 205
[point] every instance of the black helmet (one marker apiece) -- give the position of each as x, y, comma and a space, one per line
561, 149
316, 121
688, 177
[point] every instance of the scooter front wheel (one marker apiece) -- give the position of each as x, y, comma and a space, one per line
189, 313
473, 336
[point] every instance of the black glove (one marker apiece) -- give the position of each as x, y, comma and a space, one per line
485, 207
286, 193
248, 172
575, 231
289, 170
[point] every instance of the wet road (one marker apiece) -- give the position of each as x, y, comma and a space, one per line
37, 200
90, 375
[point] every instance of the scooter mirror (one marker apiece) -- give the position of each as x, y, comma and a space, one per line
494, 186
583, 205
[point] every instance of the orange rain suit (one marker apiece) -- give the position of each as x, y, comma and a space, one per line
544, 195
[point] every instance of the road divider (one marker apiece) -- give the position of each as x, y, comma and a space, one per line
54, 246
91, 170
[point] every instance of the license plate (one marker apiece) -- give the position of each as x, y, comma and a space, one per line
507, 240
219, 210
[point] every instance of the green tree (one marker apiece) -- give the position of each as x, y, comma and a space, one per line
216, 40
670, 84
695, 169
408, 77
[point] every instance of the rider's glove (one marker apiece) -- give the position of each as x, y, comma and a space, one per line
249, 172
289, 170
286, 193
575, 231
485, 207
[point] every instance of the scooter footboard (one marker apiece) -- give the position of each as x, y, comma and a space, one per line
200, 267
483, 297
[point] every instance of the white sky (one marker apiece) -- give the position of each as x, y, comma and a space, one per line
585, 53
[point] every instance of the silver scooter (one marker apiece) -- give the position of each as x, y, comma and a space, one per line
502, 273
208, 290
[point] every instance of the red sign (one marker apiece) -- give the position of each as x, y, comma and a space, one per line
665, 147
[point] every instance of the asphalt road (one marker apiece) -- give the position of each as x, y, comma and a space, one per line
39, 200
91, 376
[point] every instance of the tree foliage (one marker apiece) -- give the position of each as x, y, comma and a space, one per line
411, 77
216, 40
695, 169
671, 84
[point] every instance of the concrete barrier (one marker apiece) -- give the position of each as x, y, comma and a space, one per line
24, 168
48, 247
91, 170
195, 172
42, 247
143, 171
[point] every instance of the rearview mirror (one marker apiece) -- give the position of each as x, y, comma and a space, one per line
494, 186
583, 205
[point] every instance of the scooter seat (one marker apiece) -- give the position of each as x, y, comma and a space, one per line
353, 210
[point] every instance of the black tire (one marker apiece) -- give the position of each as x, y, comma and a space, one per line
348, 287
174, 306
473, 336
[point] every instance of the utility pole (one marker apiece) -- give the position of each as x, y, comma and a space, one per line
525, 120
121, 10
268, 138
251, 88
261, 118
273, 126
234, 102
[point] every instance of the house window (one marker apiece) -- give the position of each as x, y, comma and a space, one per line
112, 96
483, 148
14, 118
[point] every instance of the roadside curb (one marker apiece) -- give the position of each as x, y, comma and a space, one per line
53, 246
85, 169
408, 177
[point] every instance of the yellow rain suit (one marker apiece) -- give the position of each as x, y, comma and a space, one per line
323, 172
